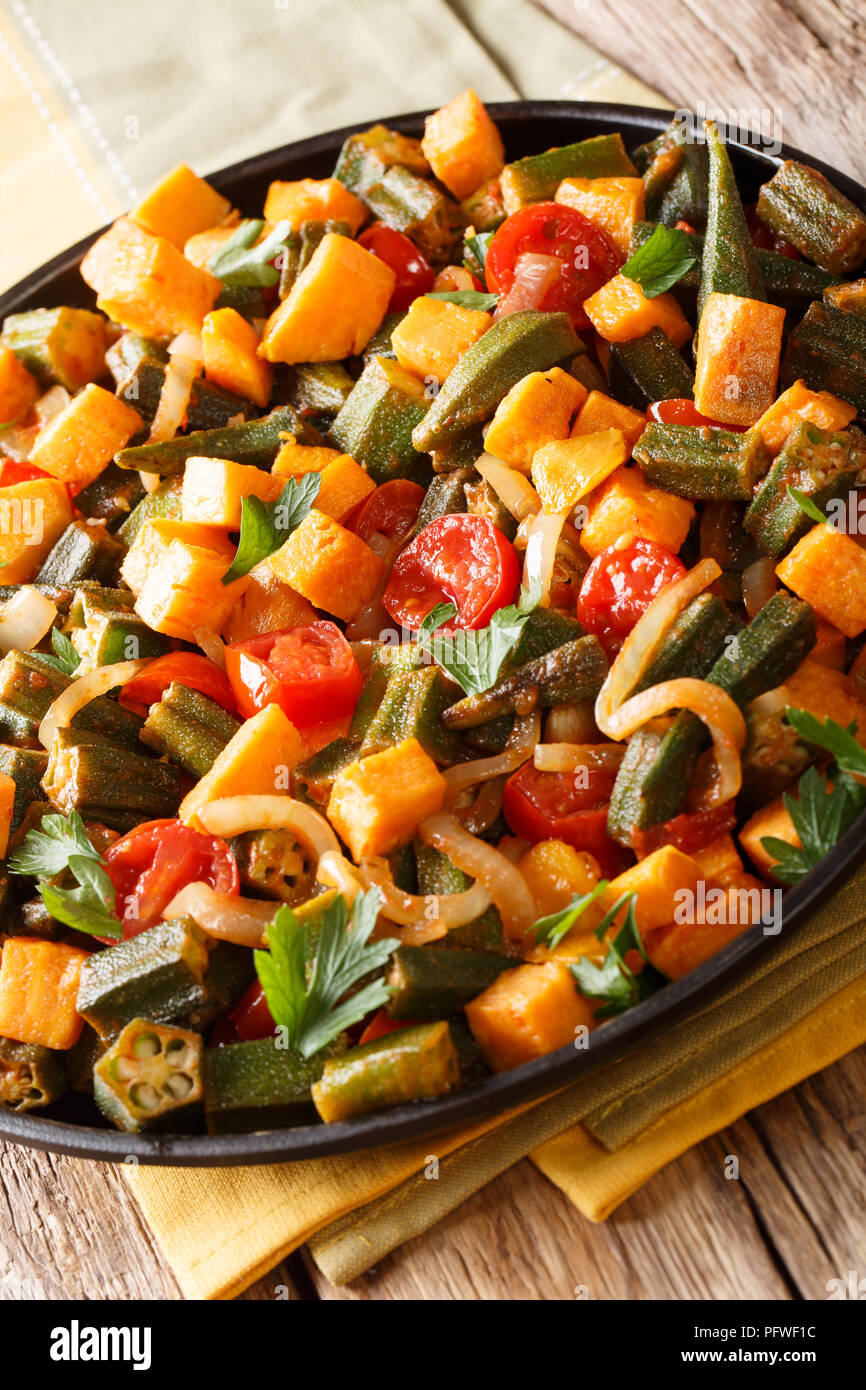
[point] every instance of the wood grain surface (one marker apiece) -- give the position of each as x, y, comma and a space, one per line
795, 1216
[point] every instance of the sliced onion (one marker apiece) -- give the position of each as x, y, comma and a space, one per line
81, 692
771, 702
243, 921
502, 879
515, 492
759, 584
49, 406
453, 277
534, 274
573, 722
212, 645
372, 619
712, 705
24, 619
180, 374
335, 871
235, 815
640, 646
446, 910
187, 345
541, 542
568, 757
478, 815
16, 441
521, 741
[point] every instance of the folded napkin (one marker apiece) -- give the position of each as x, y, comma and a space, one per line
800, 1008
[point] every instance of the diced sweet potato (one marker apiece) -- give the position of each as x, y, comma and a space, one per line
554, 872
329, 565
798, 403
266, 605
827, 694
463, 145
39, 992
772, 821
82, 440
527, 1013
828, 570
657, 880
334, 307
568, 470
257, 761
293, 459
829, 649
344, 486
719, 861
318, 200
230, 348
620, 311
148, 550
178, 582
626, 506
681, 947
614, 204
201, 247
536, 411
737, 363
213, 490
146, 284
601, 412
181, 205
18, 389
433, 336
377, 803
7, 806
33, 515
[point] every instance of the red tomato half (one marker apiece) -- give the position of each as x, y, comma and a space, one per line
689, 832
380, 1024
251, 1016
12, 472
391, 510
620, 585
764, 236
414, 274
684, 412
151, 864
460, 559
565, 806
188, 668
311, 672
589, 257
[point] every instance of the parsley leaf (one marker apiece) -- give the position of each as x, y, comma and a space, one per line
62, 845
846, 751
467, 299
239, 262
67, 659
475, 657
661, 261
614, 982
812, 510
549, 931
266, 525
313, 1014
475, 250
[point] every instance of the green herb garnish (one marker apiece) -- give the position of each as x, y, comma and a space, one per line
549, 931
614, 981
67, 658
475, 658
62, 845
312, 1014
240, 262
475, 250
662, 260
812, 510
266, 525
467, 299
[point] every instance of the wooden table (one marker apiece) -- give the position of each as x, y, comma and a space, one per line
796, 1215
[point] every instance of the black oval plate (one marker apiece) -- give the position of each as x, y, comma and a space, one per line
527, 127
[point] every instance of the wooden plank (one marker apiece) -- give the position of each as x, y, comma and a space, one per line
803, 59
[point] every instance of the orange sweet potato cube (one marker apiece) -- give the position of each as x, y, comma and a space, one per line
737, 363
175, 569
463, 145
433, 336
146, 284
526, 1013
33, 515
601, 412
798, 403
772, 821
344, 485
293, 460
266, 605
614, 204
7, 806
318, 200
658, 880
334, 307
330, 566
18, 389
828, 570
213, 490
620, 311
82, 440
826, 694
257, 760
39, 992
180, 206
377, 803
230, 348
565, 471
626, 506
537, 410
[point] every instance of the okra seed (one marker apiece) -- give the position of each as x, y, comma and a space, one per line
123, 1069
179, 1085
146, 1045
144, 1096
176, 1054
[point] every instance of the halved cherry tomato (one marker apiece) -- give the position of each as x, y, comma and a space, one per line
589, 257
565, 806
620, 585
311, 672
380, 1024
689, 831
151, 864
460, 559
680, 411
12, 472
683, 226
391, 510
414, 273
251, 1017
188, 668
765, 238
